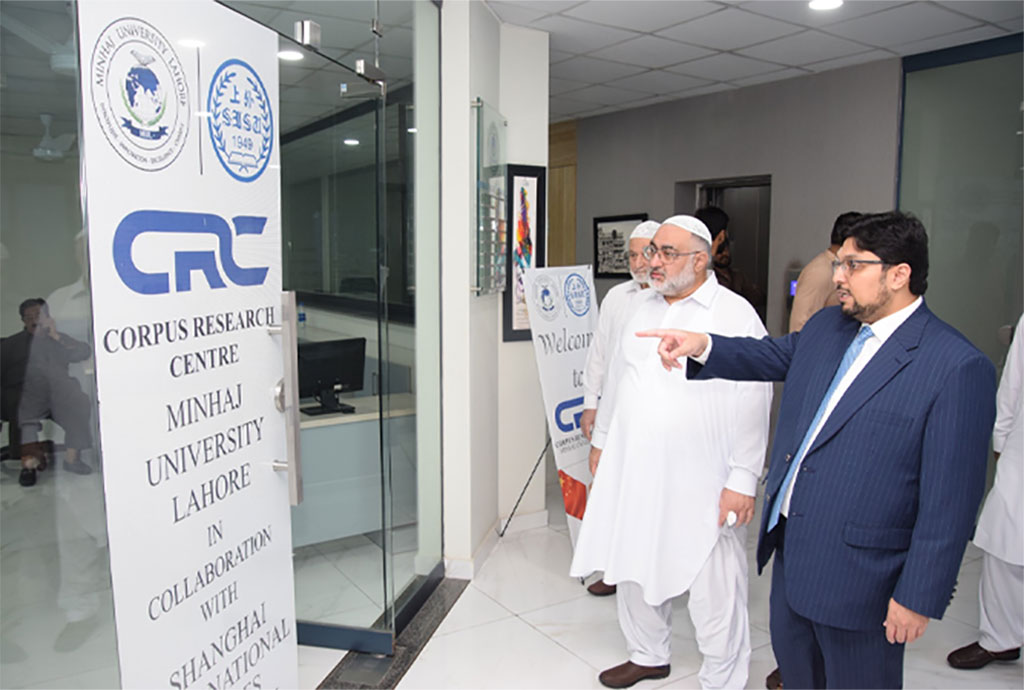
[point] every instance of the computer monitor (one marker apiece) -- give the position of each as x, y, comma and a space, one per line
327, 368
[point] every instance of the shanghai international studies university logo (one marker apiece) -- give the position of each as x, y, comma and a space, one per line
545, 297
577, 294
140, 94
241, 122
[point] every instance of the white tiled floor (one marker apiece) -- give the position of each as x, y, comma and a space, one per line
523, 623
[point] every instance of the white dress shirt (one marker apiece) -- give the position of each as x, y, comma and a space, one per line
609, 323
881, 330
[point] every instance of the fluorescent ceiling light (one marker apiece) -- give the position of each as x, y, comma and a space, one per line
411, 130
351, 142
825, 4
290, 55
191, 43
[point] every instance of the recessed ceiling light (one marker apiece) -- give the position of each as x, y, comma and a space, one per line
351, 142
825, 4
411, 130
191, 43
290, 55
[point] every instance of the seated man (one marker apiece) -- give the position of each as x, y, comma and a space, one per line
35, 385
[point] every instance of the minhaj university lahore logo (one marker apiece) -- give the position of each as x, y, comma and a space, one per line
140, 94
545, 297
241, 122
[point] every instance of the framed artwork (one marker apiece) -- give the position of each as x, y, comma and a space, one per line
611, 239
526, 188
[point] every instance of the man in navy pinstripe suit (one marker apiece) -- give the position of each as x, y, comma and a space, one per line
878, 465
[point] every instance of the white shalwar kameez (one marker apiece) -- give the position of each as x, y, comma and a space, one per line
1000, 531
602, 347
670, 446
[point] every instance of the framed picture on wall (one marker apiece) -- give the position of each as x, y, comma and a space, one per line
611, 240
526, 187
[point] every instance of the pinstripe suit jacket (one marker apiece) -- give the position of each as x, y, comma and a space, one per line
887, 495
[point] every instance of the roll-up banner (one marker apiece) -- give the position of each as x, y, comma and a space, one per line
182, 176
562, 306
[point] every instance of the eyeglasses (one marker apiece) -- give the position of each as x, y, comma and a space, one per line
668, 255
852, 265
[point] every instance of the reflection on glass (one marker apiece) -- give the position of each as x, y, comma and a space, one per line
55, 600
961, 175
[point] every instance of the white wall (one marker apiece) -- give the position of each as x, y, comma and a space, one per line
829, 142
493, 417
521, 431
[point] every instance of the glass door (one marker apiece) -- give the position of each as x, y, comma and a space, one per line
360, 247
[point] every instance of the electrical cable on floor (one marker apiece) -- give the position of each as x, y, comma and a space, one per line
523, 492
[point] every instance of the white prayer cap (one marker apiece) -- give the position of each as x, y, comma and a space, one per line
645, 231
692, 225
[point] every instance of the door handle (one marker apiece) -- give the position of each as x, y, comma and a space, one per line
286, 397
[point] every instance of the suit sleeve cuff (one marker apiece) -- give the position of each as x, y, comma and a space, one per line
742, 481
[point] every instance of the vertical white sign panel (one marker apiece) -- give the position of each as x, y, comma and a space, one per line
182, 178
562, 308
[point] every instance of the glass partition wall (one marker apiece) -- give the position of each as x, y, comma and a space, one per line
360, 215
56, 609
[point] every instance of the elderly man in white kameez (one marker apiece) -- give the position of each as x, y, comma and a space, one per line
679, 463
609, 329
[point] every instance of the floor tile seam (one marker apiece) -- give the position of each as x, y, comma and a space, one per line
333, 611
527, 612
480, 591
351, 580
559, 644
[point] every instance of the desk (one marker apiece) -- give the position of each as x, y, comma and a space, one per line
341, 470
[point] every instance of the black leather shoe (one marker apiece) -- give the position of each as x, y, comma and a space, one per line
601, 589
629, 674
975, 656
27, 477
774, 680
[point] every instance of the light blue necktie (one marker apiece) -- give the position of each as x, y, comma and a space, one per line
844, 366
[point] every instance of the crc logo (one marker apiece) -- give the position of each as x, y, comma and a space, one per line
561, 410
185, 262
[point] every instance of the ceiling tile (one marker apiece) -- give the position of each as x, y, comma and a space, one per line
659, 82
651, 51
546, 6
724, 67
703, 90
592, 70
809, 46
516, 14
912, 22
800, 13
974, 35
558, 55
1014, 25
641, 15
575, 36
607, 95
567, 106
770, 76
858, 59
988, 11
729, 29
558, 86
